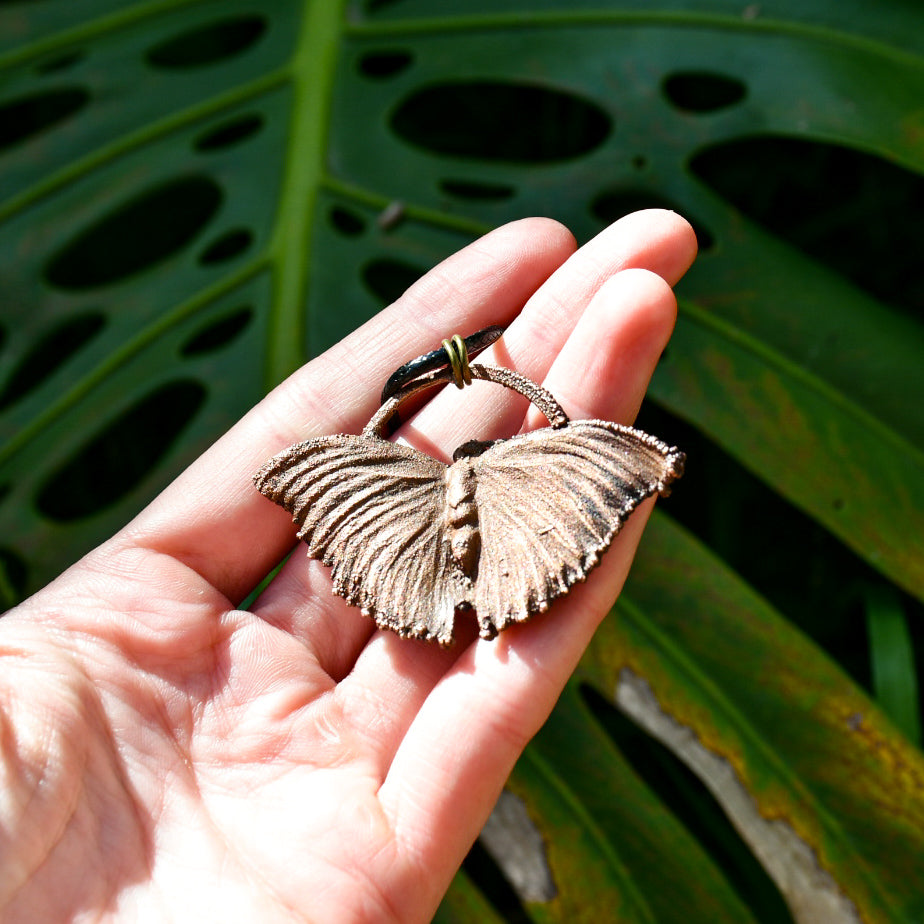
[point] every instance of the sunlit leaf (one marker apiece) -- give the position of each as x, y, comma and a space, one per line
825, 790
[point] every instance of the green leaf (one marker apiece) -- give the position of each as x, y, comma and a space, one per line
610, 846
130, 108
775, 357
163, 214
895, 679
853, 473
825, 790
464, 903
160, 192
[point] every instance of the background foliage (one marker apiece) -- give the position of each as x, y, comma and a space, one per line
195, 196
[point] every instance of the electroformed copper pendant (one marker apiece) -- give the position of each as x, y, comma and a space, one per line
505, 529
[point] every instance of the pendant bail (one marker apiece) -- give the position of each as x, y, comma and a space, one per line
468, 348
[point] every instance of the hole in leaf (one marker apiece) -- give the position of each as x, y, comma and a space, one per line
61, 62
208, 44
373, 5
217, 334
346, 222
853, 211
226, 247
480, 192
137, 235
29, 115
48, 353
614, 204
701, 91
491, 120
229, 133
384, 63
388, 278
116, 460
13, 577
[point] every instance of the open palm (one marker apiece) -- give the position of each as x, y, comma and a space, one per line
167, 756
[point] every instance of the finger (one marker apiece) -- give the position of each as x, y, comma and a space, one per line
655, 240
300, 601
479, 716
484, 410
583, 370
634, 314
212, 518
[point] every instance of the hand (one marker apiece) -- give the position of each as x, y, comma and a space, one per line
167, 756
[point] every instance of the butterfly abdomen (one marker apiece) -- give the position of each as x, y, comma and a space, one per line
462, 517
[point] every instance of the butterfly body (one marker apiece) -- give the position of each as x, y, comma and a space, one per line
504, 529
462, 517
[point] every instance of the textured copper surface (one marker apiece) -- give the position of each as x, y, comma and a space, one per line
505, 529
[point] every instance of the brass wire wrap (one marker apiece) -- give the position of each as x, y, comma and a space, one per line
405, 375
458, 360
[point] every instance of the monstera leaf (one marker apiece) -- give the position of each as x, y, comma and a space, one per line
196, 196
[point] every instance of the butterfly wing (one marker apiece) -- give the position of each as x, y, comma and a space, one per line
373, 511
549, 504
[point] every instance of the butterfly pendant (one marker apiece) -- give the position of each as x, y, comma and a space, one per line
503, 530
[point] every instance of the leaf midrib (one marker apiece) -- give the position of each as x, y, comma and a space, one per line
312, 69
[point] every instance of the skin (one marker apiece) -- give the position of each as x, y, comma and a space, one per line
167, 756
